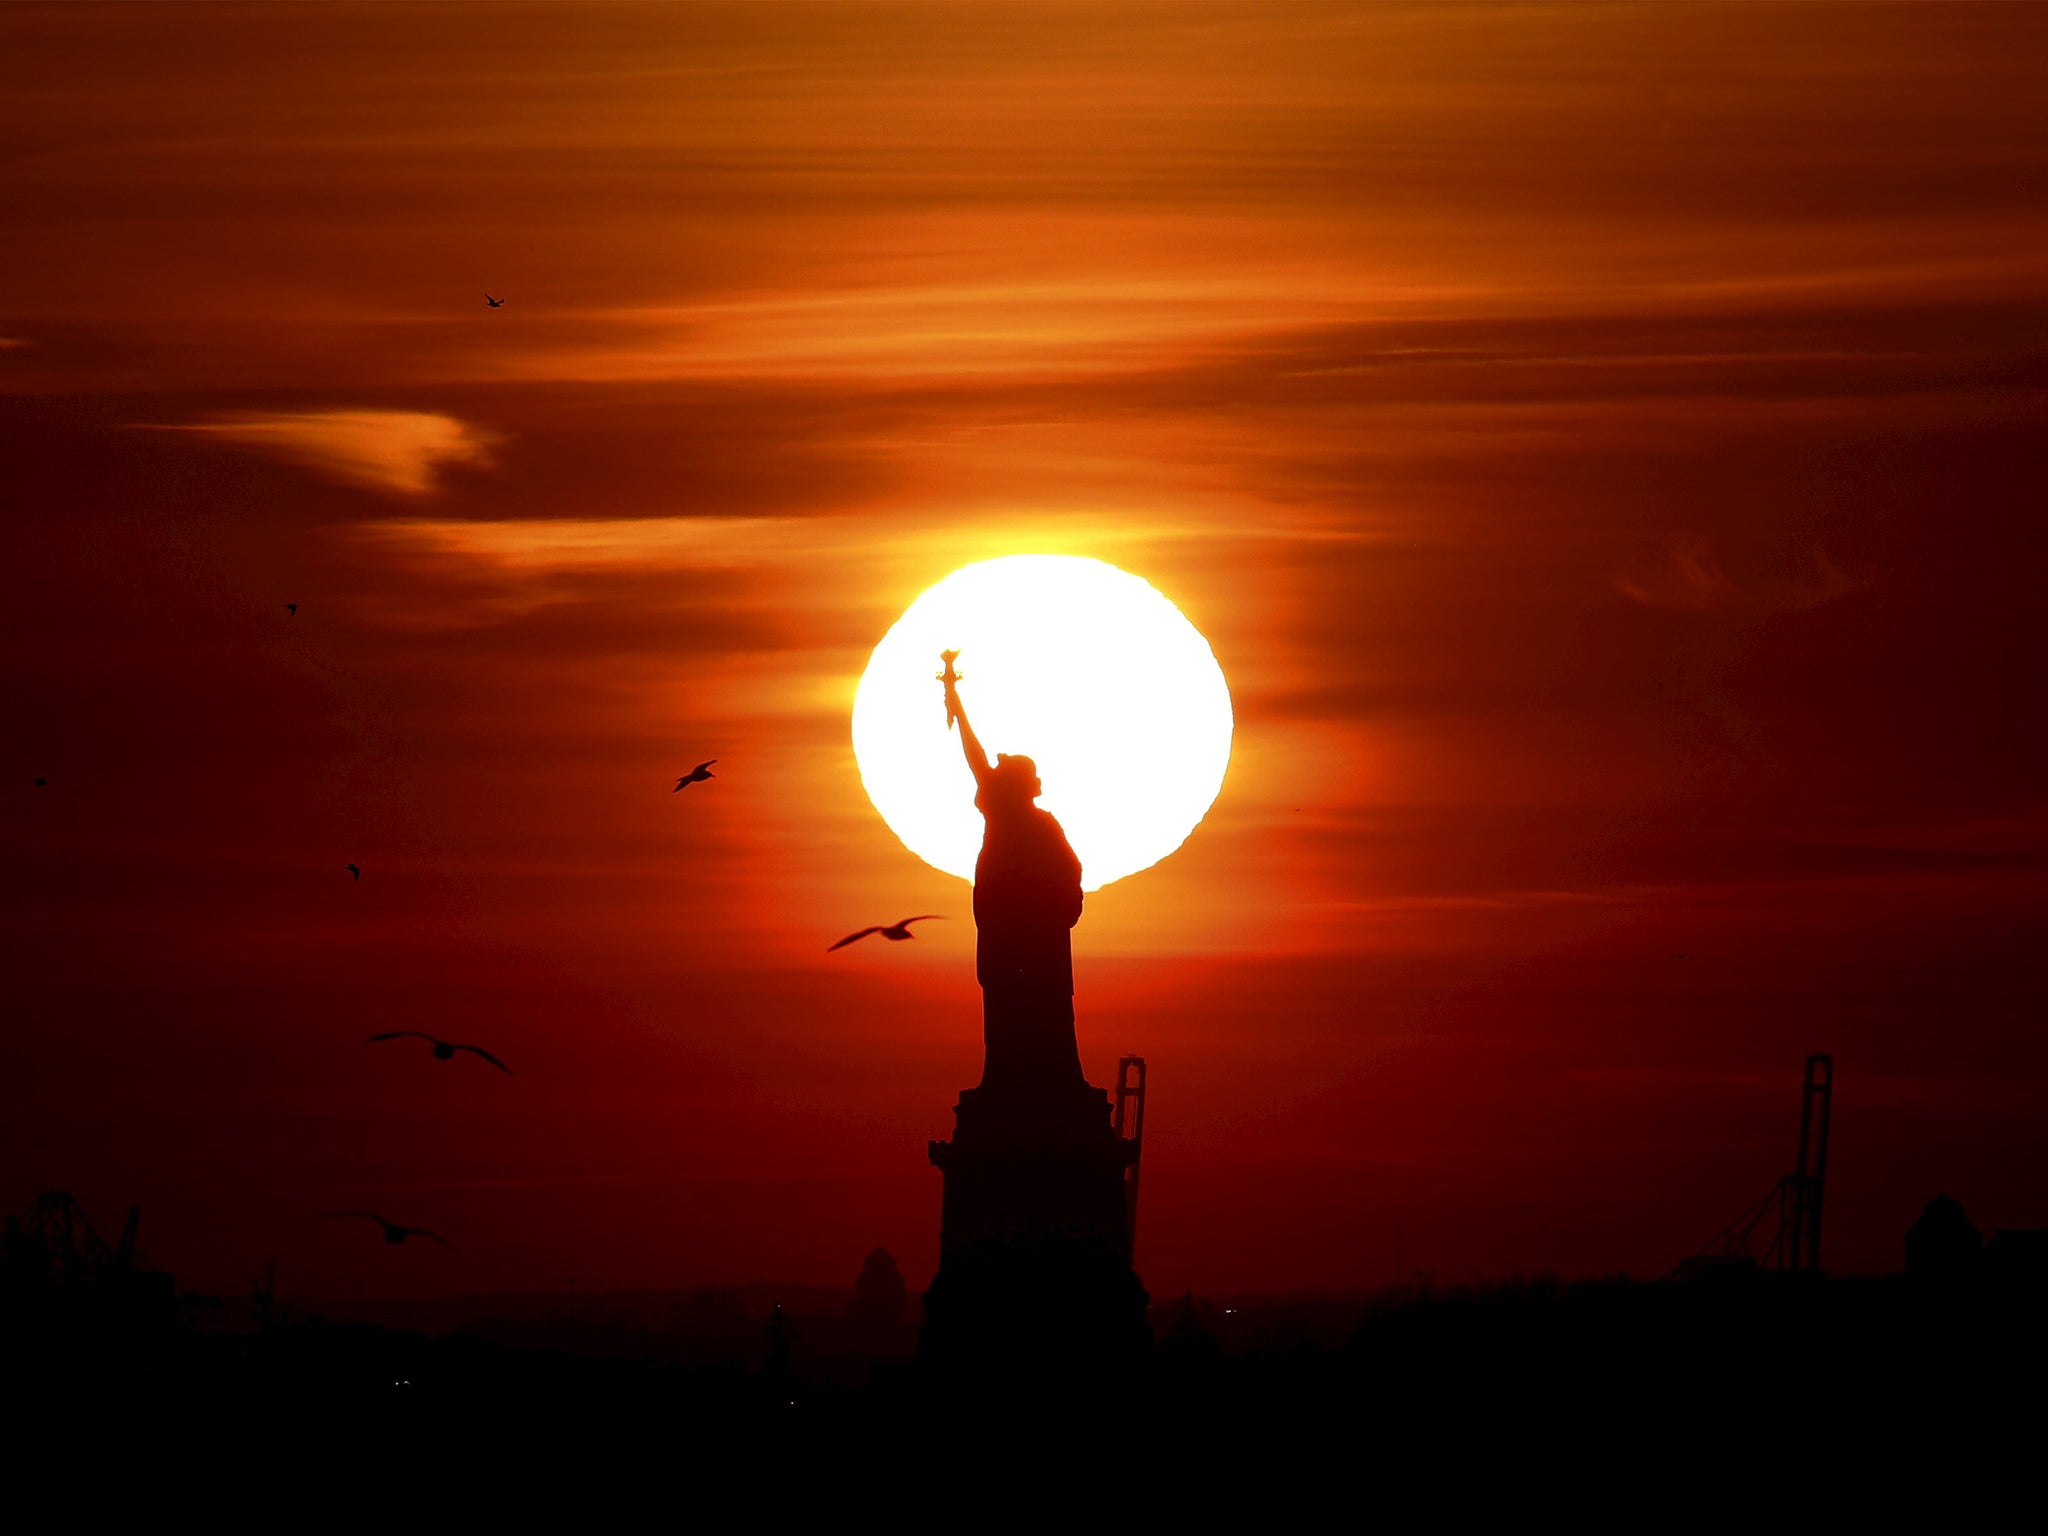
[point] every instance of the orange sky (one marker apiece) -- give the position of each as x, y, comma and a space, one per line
1600, 444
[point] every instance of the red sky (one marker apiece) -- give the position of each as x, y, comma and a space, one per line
1601, 444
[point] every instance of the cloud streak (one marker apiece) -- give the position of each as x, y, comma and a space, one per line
398, 452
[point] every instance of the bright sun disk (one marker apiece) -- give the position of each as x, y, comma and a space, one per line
1084, 668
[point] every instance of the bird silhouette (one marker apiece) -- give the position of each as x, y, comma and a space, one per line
42, 783
393, 1232
697, 775
1681, 957
354, 873
896, 933
494, 303
444, 1050
292, 609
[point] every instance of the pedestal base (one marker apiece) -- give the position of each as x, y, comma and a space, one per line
1035, 1285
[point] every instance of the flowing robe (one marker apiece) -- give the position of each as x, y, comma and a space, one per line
1027, 898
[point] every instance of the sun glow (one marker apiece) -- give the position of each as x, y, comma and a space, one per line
1086, 669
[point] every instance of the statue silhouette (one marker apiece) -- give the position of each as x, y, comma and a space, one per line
1034, 1294
1027, 898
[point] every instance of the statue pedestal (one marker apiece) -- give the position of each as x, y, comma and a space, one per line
1035, 1285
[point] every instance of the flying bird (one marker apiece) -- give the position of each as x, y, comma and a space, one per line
292, 609
354, 873
444, 1050
393, 1232
494, 303
697, 775
895, 934
42, 783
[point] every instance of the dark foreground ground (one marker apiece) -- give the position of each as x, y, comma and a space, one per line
1772, 1395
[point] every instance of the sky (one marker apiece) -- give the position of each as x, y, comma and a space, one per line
1600, 444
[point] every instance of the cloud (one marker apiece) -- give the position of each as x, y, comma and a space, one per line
399, 451
1692, 580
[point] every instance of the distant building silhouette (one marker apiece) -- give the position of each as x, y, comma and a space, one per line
263, 1296
1188, 1345
1943, 1247
879, 1294
778, 1371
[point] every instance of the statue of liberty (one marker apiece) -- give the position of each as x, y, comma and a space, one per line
1027, 898
1034, 1293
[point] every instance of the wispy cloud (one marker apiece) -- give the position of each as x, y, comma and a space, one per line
700, 543
1066, 324
396, 451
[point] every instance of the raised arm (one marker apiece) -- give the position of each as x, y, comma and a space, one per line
977, 759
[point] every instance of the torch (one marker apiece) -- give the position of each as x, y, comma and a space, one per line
949, 677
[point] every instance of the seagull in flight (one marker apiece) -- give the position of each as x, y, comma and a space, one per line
292, 609
494, 303
354, 873
444, 1050
393, 1232
42, 783
697, 775
896, 933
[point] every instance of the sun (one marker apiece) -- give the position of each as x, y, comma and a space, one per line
1085, 668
